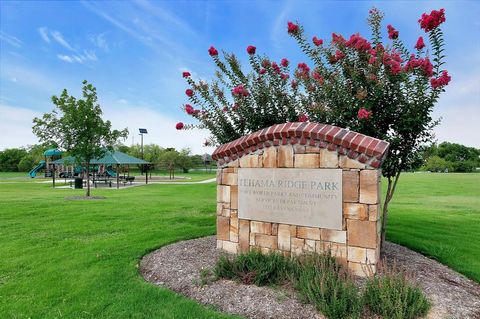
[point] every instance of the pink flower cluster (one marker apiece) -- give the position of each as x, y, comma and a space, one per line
190, 110
420, 44
363, 113
303, 118
431, 21
212, 51
393, 61
443, 80
284, 63
317, 41
186, 74
338, 39
189, 92
293, 28
358, 42
303, 70
424, 64
392, 32
240, 90
251, 49
317, 77
179, 126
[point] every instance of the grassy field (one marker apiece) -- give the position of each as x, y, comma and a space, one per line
78, 259
439, 216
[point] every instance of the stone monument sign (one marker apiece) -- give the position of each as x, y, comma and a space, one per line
302, 187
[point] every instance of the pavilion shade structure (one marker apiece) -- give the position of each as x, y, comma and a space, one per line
110, 158
117, 157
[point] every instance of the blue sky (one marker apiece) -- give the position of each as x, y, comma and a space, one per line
134, 52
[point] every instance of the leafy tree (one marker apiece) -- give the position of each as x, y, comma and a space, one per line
453, 152
10, 158
437, 164
169, 160
184, 160
77, 126
370, 86
26, 163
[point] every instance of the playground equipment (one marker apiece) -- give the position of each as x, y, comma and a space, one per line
33, 172
47, 164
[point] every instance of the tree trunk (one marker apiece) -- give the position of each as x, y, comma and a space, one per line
392, 184
88, 179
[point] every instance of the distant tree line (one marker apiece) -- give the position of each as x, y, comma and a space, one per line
167, 158
450, 157
23, 159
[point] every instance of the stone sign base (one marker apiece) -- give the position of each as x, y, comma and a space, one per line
356, 244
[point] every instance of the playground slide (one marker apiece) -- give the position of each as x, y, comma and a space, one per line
110, 172
34, 170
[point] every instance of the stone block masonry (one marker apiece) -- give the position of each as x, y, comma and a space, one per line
302, 147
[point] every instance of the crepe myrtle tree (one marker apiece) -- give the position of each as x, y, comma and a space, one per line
77, 126
385, 89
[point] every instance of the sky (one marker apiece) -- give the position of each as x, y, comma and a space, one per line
135, 51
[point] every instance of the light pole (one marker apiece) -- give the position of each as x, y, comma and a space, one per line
142, 131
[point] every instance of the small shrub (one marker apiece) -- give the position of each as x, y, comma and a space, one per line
254, 268
393, 296
323, 283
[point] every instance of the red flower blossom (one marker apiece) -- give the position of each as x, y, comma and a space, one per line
393, 60
363, 114
284, 76
443, 80
372, 60
339, 55
358, 42
317, 41
189, 92
275, 67
303, 118
240, 90
262, 71
427, 67
189, 109
186, 74
429, 22
294, 84
420, 44
212, 51
392, 32
266, 63
338, 39
251, 49
293, 28
179, 126
284, 62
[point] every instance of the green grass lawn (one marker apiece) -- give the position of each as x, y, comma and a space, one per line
439, 216
78, 259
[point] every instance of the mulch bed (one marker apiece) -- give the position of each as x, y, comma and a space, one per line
178, 267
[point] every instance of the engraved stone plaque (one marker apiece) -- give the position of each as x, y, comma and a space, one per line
296, 196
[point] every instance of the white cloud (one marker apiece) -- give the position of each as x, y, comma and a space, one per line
16, 126
65, 58
44, 34
10, 39
79, 58
100, 41
57, 36
122, 101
